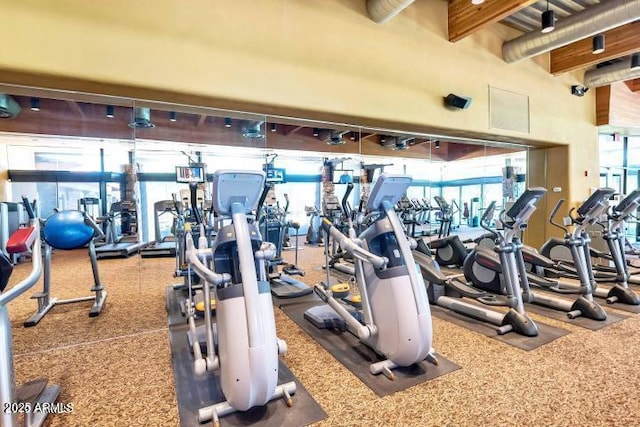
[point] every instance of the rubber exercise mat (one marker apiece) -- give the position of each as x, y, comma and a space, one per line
618, 306
583, 322
194, 392
357, 357
546, 333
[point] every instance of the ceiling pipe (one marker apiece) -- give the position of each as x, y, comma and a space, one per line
617, 72
589, 22
382, 11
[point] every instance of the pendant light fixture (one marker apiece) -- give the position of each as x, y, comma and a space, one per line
548, 20
598, 44
635, 61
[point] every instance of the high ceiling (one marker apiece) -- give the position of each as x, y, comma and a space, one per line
528, 18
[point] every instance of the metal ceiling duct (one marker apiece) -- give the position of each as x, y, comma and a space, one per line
381, 11
617, 72
253, 129
9, 108
589, 22
142, 119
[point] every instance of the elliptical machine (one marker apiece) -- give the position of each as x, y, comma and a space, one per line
474, 269
314, 236
395, 319
448, 292
575, 246
247, 347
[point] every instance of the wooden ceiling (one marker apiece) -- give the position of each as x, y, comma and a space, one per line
89, 120
465, 18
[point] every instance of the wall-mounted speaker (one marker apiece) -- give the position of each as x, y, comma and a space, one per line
457, 101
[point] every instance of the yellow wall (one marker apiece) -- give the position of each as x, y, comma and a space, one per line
318, 58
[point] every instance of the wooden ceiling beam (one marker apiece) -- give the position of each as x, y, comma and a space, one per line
76, 108
294, 129
620, 41
633, 85
466, 18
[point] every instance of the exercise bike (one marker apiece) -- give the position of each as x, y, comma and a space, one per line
236, 268
395, 318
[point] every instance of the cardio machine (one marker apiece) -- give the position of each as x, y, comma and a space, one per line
121, 241
163, 245
281, 276
395, 319
474, 268
449, 292
245, 333
575, 246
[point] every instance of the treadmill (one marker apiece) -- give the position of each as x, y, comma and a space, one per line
163, 246
121, 245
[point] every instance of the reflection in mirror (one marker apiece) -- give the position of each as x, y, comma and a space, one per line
188, 144
60, 151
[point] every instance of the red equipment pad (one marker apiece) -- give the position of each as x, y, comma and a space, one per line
21, 240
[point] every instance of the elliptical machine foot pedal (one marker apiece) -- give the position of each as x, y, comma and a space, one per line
324, 317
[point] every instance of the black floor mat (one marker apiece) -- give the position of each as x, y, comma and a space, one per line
194, 392
546, 333
583, 322
357, 357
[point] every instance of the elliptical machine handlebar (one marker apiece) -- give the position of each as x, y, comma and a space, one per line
202, 270
177, 204
554, 211
350, 246
345, 208
487, 216
194, 203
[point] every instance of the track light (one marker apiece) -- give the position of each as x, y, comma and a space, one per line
598, 44
172, 116
272, 127
227, 122
437, 145
635, 61
352, 136
548, 20
477, 1
316, 132
35, 104
383, 139
110, 111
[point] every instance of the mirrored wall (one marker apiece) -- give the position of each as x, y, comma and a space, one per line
127, 159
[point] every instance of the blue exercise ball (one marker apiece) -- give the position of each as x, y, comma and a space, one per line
67, 230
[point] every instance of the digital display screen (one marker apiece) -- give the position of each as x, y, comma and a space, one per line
189, 174
342, 176
276, 175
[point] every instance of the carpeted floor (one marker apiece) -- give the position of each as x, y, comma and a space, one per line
116, 369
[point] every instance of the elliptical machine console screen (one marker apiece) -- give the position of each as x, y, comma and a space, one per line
189, 174
342, 176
